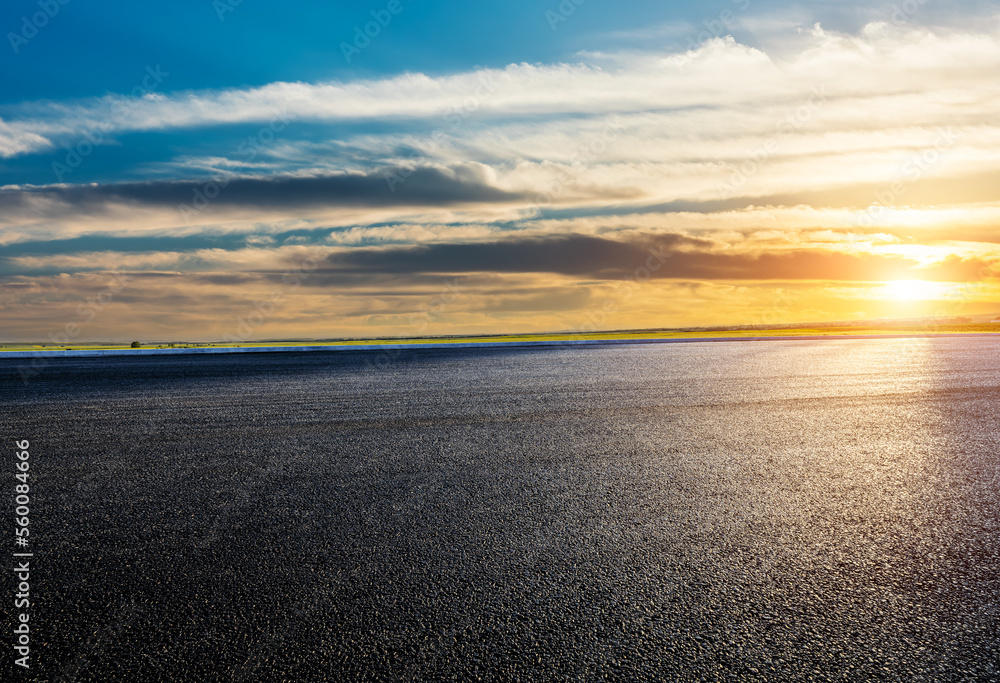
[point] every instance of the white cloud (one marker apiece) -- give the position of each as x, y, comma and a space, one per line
720, 74
725, 120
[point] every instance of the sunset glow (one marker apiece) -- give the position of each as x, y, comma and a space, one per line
644, 173
914, 290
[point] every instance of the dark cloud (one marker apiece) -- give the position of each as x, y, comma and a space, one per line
388, 187
666, 256
568, 255
586, 258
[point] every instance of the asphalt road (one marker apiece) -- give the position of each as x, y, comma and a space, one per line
778, 511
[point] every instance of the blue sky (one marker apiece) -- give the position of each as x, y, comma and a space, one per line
258, 42
531, 151
88, 50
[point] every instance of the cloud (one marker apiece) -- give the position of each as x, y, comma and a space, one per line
656, 256
837, 160
408, 187
832, 122
734, 84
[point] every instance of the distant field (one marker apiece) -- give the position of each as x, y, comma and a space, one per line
650, 334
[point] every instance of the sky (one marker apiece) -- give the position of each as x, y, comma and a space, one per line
242, 170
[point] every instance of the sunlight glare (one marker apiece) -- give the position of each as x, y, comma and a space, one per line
914, 290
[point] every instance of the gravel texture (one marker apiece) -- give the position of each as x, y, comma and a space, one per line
696, 512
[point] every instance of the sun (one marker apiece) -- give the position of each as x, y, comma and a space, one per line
913, 290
